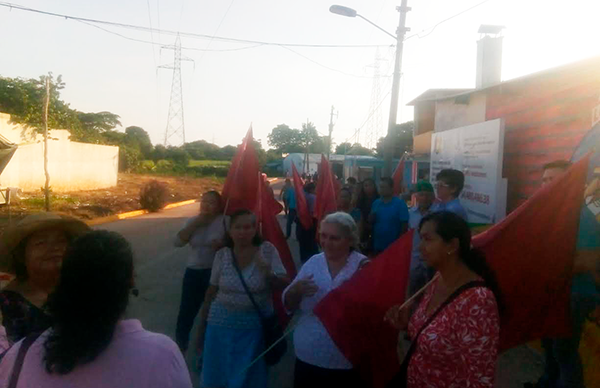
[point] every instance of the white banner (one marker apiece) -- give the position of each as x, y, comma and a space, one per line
477, 151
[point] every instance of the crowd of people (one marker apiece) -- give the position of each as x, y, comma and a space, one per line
64, 311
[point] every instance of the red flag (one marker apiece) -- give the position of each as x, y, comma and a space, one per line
353, 313
531, 251
301, 205
271, 232
241, 186
326, 195
398, 177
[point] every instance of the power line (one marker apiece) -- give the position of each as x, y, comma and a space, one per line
151, 32
444, 21
186, 34
218, 28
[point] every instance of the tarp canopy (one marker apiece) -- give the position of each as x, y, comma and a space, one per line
7, 150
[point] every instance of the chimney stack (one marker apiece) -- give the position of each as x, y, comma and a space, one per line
489, 56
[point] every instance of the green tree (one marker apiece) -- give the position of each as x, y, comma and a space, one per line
285, 139
227, 152
178, 155
310, 139
352, 149
160, 153
402, 140
23, 100
92, 125
138, 137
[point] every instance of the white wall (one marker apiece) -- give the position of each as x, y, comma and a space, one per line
450, 115
72, 166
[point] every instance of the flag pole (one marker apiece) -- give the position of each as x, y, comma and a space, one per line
394, 310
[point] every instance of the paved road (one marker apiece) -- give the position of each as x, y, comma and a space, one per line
160, 268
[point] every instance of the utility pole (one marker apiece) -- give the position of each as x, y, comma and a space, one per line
306, 154
46, 106
330, 132
388, 143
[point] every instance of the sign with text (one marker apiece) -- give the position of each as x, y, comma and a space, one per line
477, 151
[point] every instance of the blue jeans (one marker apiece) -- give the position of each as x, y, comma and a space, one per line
195, 284
563, 367
291, 216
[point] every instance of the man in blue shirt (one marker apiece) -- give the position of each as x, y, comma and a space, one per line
290, 197
449, 184
389, 217
420, 273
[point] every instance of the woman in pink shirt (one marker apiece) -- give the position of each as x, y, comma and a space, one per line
90, 344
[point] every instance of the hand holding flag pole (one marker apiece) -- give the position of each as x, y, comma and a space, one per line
392, 316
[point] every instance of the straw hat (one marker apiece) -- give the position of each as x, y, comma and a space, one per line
13, 236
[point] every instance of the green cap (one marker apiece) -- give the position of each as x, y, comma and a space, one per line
423, 186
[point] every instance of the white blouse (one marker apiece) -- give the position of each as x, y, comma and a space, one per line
311, 340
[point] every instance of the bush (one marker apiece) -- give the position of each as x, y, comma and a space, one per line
164, 166
153, 195
129, 158
147, 165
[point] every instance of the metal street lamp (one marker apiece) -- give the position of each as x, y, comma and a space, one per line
399, 37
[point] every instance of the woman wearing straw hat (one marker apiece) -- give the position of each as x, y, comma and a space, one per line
33, 251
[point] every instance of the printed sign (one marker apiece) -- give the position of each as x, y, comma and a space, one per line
477, 151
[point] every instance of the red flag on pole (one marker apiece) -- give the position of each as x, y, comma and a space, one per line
531, 251
353, 313
241, 186
326, 201
398, 177
271, 231
301, 205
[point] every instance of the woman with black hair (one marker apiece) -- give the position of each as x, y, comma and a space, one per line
90, 344
455, 329
231, 333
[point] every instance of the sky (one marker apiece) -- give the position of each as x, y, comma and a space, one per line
225, 92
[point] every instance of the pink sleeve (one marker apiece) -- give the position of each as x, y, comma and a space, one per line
477, 336
170, 369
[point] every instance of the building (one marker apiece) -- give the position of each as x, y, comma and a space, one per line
72, 165
545, 116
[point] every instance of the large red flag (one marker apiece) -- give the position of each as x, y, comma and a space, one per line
326, 201
531, 251
301, 205
398, 177
241, 186
353, 313
270, 230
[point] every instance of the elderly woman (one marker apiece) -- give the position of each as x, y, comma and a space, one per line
33, 252
233, 333
319, 363
455, 329
90, 344
204, 233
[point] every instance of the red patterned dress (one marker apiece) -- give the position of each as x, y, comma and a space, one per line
460, 347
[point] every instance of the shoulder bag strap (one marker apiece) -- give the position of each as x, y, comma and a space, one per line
453, 296
18, 365
239, 272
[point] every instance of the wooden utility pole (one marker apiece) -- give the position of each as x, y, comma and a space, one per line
330, 132
46, 105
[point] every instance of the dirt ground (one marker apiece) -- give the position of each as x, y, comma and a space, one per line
92, 204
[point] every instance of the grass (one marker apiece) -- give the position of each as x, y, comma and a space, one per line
196, 163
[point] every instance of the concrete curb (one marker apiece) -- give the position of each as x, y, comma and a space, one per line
135, 213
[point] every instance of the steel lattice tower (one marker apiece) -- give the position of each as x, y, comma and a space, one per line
375, 124
175, 131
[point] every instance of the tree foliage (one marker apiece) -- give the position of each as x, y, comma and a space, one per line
287, 140
352, 149
402, 140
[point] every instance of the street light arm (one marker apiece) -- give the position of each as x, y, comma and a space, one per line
376, 26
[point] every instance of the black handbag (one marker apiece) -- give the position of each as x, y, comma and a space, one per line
272, 330
400, 379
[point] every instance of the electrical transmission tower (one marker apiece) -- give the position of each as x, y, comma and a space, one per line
175, 131
375, 124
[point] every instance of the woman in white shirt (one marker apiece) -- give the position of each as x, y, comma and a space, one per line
319, 362
231, 331
204, 233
